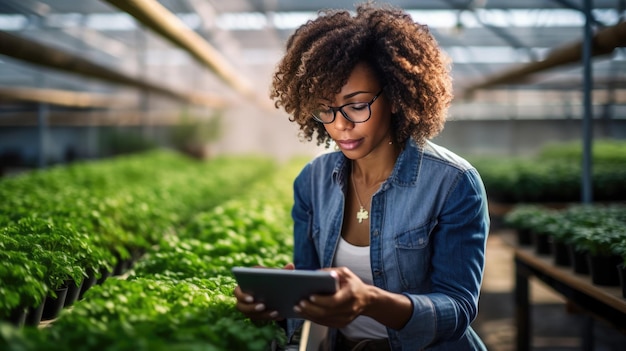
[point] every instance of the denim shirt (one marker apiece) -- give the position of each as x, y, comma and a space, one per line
428, 230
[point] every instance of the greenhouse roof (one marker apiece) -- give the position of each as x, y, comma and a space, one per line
221, 49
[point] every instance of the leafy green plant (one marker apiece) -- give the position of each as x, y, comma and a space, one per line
52, 246
193, 134
554, 174
601, 239
22, 281
124, 141
125, 314
604, 151
596, 228
520, 217
619, 250
179, 295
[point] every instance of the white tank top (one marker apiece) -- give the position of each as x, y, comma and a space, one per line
357, 258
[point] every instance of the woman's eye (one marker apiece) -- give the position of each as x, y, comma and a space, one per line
325, 110
358, 106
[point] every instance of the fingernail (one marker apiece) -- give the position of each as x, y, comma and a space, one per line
297, 309
259, 307
274, 314
303, 303
312, 298
249, 299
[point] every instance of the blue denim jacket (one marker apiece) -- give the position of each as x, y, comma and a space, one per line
428, 230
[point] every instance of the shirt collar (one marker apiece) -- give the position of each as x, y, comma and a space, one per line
405, 171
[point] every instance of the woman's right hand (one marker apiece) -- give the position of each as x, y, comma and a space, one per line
256, 311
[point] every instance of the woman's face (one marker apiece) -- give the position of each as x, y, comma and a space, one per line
359, 140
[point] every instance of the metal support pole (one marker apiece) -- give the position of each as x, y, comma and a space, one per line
522, 308
587, 193
587, 334
42, 131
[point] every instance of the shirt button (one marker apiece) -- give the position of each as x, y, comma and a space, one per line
375, 233
377, 272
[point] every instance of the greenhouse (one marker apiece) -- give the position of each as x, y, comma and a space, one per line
148, 147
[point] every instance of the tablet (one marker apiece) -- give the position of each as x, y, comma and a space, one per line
281, 289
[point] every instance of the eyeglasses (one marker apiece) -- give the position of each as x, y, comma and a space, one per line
355, 112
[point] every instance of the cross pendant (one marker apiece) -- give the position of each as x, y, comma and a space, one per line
362, 214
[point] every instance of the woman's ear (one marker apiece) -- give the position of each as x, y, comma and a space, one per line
394, 110
391, 104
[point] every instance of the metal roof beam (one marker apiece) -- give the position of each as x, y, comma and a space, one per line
570, 5
156, 17
61, 97
40, 54
500, 32
604, 42
26, 7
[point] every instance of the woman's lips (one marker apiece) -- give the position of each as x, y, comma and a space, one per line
349, 144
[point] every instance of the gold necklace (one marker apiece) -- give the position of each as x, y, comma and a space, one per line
362, 213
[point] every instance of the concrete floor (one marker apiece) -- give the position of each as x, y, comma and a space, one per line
555, 328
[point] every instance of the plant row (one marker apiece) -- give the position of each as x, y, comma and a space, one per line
178, 296
66, 224
555, 174
580, 236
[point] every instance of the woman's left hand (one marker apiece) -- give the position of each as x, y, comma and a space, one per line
341, 308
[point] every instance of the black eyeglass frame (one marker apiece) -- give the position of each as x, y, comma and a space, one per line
345, 115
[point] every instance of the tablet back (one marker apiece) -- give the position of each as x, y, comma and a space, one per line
282, 289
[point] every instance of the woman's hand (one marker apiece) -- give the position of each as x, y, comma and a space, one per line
355, 298
343, 307
254, 310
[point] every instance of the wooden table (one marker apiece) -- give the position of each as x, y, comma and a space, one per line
598, 302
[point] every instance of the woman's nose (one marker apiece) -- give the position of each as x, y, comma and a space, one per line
341, 122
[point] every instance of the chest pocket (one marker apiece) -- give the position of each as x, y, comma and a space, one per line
412, 255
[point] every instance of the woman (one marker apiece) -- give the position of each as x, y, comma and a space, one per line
403, 222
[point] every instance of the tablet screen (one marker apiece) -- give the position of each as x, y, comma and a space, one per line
281, 289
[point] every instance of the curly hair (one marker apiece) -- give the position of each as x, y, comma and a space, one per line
406, 58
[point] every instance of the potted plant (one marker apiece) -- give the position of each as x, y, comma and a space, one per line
51, 247
598, 242
45, 235
59, 268
22, 285
519, 219
559, 230
193, 135
541, 226
619, 249
580, 217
